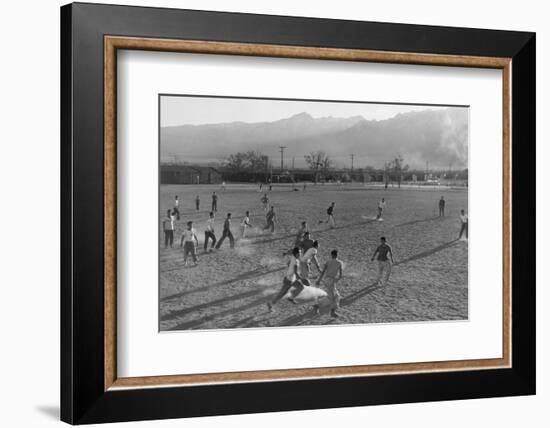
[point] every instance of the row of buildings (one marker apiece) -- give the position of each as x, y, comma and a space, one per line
197, 174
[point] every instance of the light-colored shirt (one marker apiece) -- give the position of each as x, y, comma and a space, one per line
332, 268
381, 204
309, 254
246, 221
189, 235
290, 273
176, 203
168, 223
210, 225
464, 218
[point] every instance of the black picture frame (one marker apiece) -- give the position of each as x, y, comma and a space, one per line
83, 399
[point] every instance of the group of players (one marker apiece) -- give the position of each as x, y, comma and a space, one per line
301, 257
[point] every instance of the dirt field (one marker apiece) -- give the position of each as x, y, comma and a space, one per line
230, 288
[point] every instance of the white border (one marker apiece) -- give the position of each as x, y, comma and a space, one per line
142, 351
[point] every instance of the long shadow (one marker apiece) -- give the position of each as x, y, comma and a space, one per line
221, 301
427, 253
425, 220
195, 323
300, 319
242, 277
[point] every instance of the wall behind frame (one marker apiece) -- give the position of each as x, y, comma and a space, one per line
29, 272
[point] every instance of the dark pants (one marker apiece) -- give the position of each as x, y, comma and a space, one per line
226, 234
214, 206
177, 211
441, 211
209, 235
379, 213
270, 225
168, 238
463, 229
287, 285
189, 248
197, 204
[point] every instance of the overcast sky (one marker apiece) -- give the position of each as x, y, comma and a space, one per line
185, 110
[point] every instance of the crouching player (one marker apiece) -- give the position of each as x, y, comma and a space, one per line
291, 279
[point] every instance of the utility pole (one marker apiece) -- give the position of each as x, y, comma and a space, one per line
282, 150
292, 162
352, 156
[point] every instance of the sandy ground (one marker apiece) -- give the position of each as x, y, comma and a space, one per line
230, 288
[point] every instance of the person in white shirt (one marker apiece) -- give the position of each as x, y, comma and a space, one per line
245, 224
177, 207
463, 224
292, 279
189, 242
381, 207
168, 228
209, 233
309, 256
333, 272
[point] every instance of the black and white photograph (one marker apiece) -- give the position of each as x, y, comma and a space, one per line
283, 212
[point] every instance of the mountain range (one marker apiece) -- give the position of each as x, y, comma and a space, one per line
437, 136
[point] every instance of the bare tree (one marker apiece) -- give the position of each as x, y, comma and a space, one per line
318, 161
398, 168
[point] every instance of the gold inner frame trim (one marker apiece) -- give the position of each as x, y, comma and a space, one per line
113, 43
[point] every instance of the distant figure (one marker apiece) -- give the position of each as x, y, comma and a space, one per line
384, 263
270, 187
304, 188
223, 186
309, 256
177, 207
330, 216
381, 208
189, 243
198, 203
292, 279
209, 233
442, 207
307, 242
300, 235
463, 224
168, 228
265, 201
226, 233
261, 185
333, 271
245, 224
270, 218
214, 202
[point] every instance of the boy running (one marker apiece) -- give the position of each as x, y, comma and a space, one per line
300, 235
168, 228
226, 233
177, 207
442, 207
245, 224
381, 207
189, 242
265, 201
209, 233
463, 224
270, 219
291, 279
214, 202
309, 256
384, 264
330, 216
307, 243
333, 270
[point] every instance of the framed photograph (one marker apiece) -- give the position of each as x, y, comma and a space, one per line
266, 213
